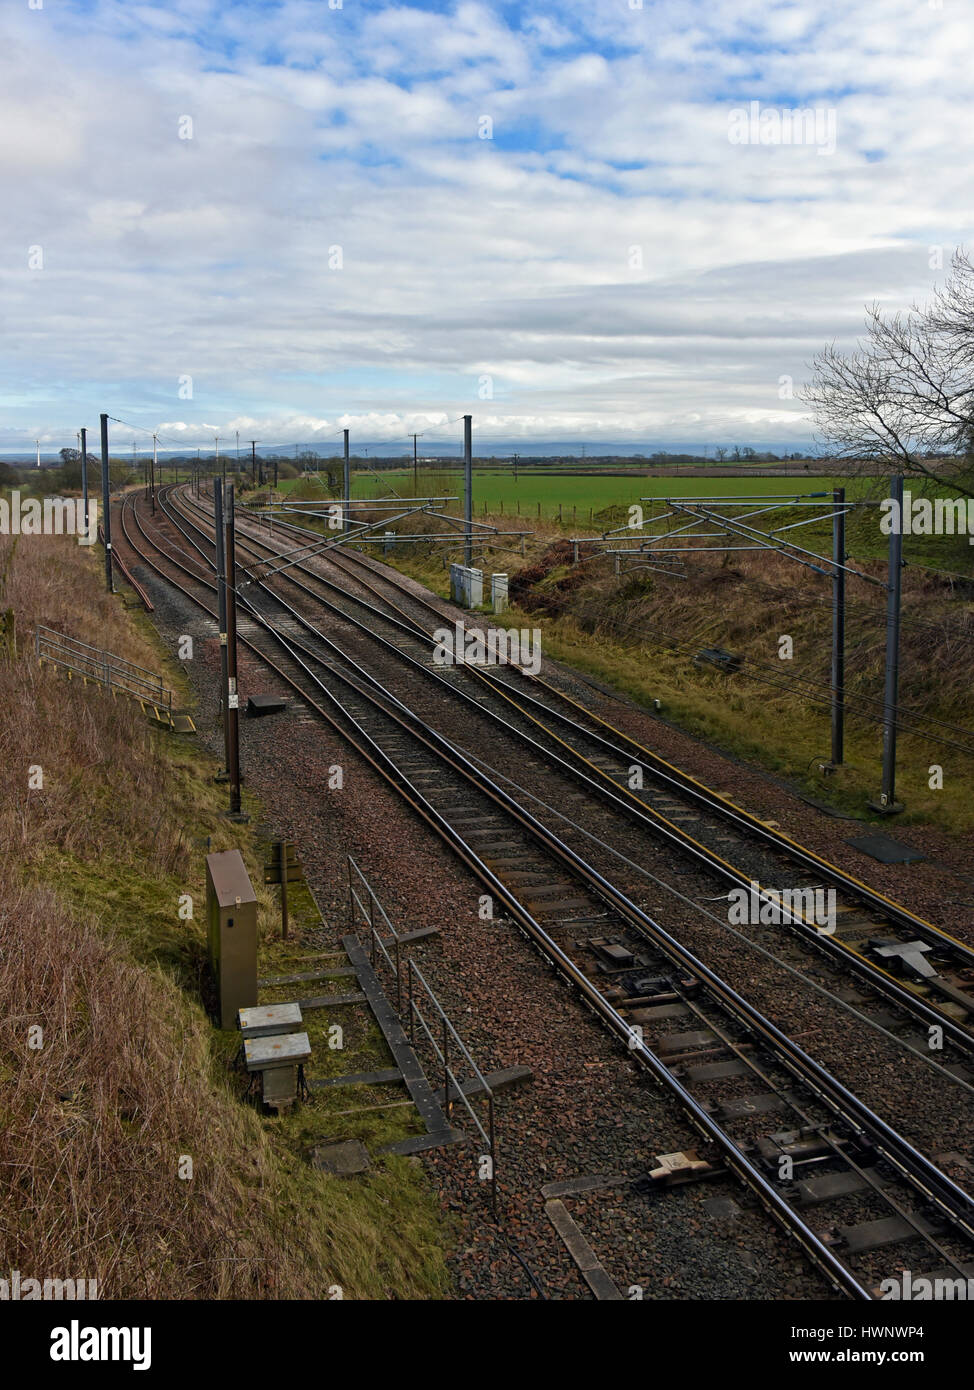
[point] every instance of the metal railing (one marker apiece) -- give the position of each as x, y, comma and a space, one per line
112, 671
448, 1048
452, 1086
368, 911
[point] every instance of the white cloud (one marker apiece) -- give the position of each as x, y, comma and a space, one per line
315, 129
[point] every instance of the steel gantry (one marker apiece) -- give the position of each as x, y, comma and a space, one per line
727, 524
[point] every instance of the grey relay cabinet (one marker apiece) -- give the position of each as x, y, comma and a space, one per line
231, 916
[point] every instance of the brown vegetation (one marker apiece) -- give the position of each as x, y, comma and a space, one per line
101, 1115
126, 1082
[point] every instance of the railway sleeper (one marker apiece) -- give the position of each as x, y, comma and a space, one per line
685, 1043
760, 1103
713, 1071
805, 1146
885, 1230
655, 1014
828, 1186
542, 909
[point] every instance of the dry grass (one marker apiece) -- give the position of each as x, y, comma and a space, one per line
97, 1121
749, 606
89, 746
131, 1079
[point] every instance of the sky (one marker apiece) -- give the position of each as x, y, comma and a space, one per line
585, 221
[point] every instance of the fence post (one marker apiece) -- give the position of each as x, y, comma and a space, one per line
106, 504
84, 474
347, 488
838, 625
887, 803
468, 489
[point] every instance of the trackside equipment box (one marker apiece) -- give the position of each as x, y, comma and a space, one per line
231, 916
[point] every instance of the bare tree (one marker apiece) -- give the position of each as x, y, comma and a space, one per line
952, 311
905, 397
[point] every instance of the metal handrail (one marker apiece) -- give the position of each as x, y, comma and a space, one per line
368, 888
114, 672
368, 919
414, 968
363, 909
450, 1081
62, 639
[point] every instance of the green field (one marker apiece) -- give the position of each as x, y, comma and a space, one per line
584, 495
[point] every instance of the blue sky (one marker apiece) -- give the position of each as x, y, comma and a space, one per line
288, 218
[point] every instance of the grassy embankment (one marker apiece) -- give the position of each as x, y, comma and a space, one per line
647, 627
99, 1110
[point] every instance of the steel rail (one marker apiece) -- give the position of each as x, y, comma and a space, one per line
739, 1163
699, 791
682, 956
623, 799
922, 1175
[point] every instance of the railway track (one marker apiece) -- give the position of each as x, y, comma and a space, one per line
835, 1157
872, 934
